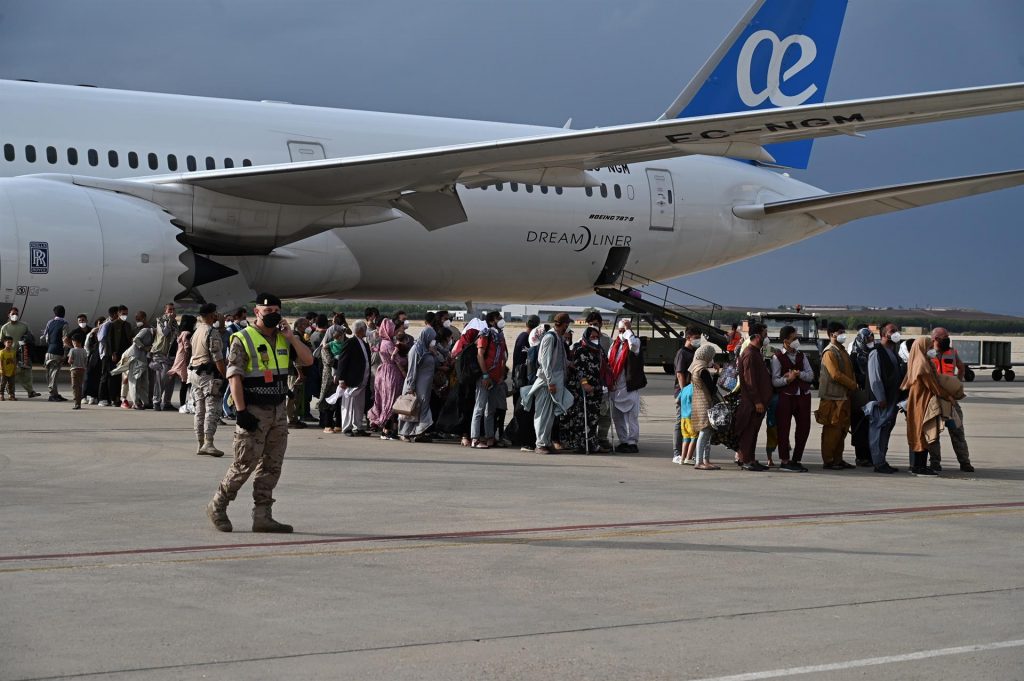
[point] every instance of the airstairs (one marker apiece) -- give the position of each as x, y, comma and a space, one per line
669, 309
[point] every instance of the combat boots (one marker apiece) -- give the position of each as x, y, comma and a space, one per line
263, 521
217, 511
206, 448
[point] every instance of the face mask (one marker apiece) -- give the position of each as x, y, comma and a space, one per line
794, 346
447, 324
242, 324
216, 324
501, 323
896, 337
933, 353
123, 317
695, 342
138, 324
271, 319
870, 345
841, 338
944, 344
82, 325
14, 317
433, 344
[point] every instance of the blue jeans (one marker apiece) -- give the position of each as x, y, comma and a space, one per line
880, 425
486, 404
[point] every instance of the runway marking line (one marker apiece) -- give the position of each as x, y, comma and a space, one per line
487, 541
508, 532
866, 662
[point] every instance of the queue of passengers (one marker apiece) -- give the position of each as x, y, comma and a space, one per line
863, 387
373, 377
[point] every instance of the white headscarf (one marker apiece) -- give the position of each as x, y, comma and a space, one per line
478, 324
535, 336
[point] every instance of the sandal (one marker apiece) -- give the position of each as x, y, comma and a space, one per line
466, 442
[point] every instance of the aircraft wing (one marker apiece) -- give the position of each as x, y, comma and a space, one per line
421, 182
843, 207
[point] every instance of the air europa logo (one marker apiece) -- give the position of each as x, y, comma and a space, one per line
774, 76
579, 241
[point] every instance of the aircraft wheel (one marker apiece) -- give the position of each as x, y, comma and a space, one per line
997, 374
669, 368
1009, 374
969, 375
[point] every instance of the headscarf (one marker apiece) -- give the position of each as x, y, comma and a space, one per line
535, 336
918, 365
386, 331
703, 358
478, 324
860, 343
591, 339
427, 336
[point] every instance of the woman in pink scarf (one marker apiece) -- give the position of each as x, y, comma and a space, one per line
388, 384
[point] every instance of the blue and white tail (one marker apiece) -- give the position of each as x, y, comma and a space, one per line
779, 54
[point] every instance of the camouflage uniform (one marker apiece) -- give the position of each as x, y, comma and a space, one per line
207, 349
261, 451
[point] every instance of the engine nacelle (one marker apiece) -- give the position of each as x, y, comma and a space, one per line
85, 249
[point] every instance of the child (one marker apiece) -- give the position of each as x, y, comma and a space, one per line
78, 360
8, 367
689, 444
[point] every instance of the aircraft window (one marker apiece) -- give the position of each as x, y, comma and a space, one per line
133, 159
543, 189
190, 161
246, 162
172, 162
529, 189
154, 162
94, 158
228, 163
51, 154
30, 153
670, 196
73, 156
558, 190
629, 191
604, 190
9, 152
514, 186
618, 191
210, 163
112, 158
589, 191
499, 186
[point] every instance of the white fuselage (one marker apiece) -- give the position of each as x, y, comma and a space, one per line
520, 243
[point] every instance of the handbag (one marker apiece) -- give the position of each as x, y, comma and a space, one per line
406, 405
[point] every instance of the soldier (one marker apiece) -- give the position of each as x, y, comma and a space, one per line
206, 373
258, 361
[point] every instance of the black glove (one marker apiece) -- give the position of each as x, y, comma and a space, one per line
246, 420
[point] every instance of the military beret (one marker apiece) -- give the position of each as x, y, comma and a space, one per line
268, 299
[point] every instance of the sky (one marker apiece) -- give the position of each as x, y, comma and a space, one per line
603, 62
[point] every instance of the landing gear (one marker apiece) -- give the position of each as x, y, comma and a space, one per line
997, 374
1009, 374
969, 375
668, 368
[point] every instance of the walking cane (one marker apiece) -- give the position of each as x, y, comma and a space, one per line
586, 422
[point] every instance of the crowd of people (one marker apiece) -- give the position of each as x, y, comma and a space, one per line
373, 377
864, 385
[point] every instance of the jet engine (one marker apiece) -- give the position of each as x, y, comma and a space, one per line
85, 249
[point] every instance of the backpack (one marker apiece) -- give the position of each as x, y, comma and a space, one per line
467, 368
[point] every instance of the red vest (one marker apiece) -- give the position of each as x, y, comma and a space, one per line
945, 363
798, 385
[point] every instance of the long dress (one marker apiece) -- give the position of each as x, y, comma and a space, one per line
387, 386
574, 431
419, 380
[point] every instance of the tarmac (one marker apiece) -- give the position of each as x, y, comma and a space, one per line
433, 561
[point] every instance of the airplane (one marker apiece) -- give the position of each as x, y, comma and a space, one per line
118, 197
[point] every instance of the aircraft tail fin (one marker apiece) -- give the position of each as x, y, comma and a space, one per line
779, 54
836, 209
